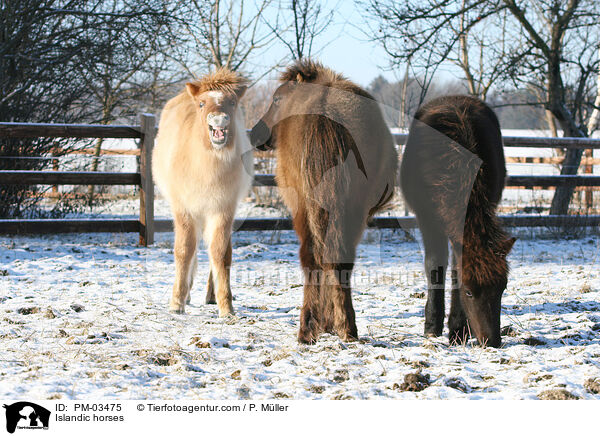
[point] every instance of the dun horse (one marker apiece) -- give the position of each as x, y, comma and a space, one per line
202, 163
454, 191
336, 166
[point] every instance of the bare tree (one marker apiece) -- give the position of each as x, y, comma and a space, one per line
133, 38
304, 21
56, 58
552, 46
481, 51
39, 43
594, 119
401, 99
220, 33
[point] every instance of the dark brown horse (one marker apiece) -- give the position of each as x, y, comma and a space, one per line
452, 177
336, 165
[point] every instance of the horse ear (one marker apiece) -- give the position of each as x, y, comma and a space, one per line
192, 89
508, 245
240, 91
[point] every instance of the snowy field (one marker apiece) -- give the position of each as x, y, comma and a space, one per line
85, 317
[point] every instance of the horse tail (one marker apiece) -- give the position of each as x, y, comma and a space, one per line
326, 181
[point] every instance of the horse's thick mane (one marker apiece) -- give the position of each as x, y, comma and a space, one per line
222, 79
308, 70
311, 71
484, 242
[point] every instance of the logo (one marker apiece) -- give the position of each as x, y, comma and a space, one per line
26, 415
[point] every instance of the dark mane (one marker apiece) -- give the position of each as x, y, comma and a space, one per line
311, 71
453, 172
482, 238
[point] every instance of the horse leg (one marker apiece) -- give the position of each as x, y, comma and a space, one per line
185, 249
210, 289
310, 315
192, 274
436, 262
457, 320
344, 319
218, 233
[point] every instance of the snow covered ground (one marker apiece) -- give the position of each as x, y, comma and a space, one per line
85, 317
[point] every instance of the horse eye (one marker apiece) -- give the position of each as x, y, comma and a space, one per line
276, 99
468, 293
201, 104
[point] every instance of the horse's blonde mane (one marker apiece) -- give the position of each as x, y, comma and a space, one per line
221, 79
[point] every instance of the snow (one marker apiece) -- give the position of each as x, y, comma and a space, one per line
85, 317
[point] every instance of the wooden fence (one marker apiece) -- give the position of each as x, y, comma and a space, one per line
146, 225
145, 132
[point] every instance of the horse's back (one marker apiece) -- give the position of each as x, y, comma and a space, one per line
441, 181
338, 165
354, 143
473, 124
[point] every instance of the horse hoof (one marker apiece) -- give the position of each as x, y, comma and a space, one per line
307, 340
348, 335
348, 338
224, 313
210, 301
307, 337
175, 307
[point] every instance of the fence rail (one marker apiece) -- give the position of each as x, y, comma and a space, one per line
146, 225
41, 130
532, 141
261, 224
520, 181
145, 132
11, 177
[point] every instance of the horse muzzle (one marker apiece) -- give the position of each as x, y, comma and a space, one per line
218, 129
260, 137
484, 321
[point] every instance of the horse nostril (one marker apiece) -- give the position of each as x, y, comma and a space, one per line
218, 119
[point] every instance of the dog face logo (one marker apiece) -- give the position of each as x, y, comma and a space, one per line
25, 415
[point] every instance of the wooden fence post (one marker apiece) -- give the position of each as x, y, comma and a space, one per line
148, 131
54, 168
589, 192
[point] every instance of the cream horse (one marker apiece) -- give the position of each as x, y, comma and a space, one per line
202, 164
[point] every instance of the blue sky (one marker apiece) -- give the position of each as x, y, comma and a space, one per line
344, 47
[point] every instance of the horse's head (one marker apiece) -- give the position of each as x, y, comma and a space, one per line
482, 300
299, 94
216, 99
261, 136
